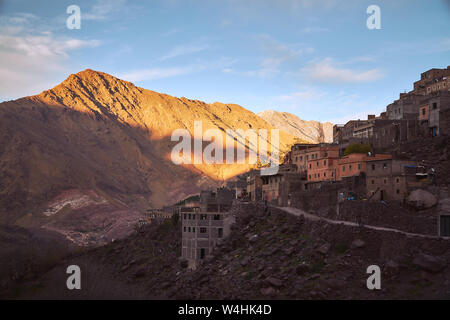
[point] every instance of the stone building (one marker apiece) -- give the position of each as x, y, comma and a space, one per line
391, 179
203, 226
432, 80
356, 163
299, 157
254, 186
277, 188
322, 162
430, 112
405, 108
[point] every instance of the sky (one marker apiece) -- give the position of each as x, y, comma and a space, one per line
316, 59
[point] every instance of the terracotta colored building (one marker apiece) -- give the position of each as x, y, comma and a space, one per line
322, 163
356, 163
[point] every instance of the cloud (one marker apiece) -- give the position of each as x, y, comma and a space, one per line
104, 9
314, 29
32, 59
276, 53
328, 71
184, 50
307, 94
156, 73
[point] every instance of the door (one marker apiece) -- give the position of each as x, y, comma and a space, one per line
202, 253
445, 226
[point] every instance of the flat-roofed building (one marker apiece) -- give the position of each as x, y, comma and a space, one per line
203, 226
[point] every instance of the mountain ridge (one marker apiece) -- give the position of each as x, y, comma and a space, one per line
310, 131
107, 143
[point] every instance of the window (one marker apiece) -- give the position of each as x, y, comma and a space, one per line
444, 226
203, 217
423, 111
326, 154
220, 232
189, 216
332, 173
343, 168
359, 166
434, 105
184, 229
184, 216
398, 191
202, 230
301, 158
317, 164
324, 162
309, 176
310, 166
373, 181
397, 180
202, 253
189, 229
324, 174
193, 229
373, 167
307, 157
216, 217
385, 181
350, 167
385, 165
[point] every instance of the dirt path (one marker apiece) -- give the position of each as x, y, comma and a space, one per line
298, 212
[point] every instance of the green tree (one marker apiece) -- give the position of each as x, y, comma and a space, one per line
358, 148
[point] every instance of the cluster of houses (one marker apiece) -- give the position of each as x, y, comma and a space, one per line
378, 173
372, 174
424, 111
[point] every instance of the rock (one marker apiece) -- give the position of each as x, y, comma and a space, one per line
289, 251
268, 291
302, 269
392, 267
421, 199
324, 248
358, 243
274, 282
429, 263
183, 263
140, 273
253, 238
336, 284
245, 261
314, 276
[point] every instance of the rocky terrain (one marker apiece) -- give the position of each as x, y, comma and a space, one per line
86, 157
310, 131
273, 255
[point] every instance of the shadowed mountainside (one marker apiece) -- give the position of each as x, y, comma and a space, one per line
109, 142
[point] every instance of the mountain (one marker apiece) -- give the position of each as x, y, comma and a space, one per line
95, 151
310, 131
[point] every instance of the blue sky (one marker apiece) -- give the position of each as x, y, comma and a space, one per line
313, 58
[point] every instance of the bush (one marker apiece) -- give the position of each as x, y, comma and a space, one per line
358, 148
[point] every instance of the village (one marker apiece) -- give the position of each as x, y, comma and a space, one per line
363, 167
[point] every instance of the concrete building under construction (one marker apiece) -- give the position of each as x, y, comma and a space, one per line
203, 226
